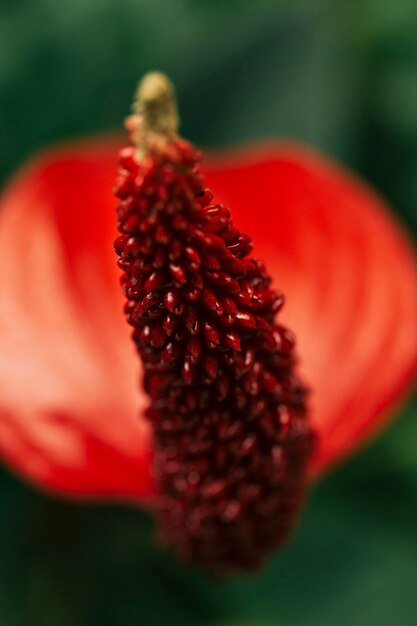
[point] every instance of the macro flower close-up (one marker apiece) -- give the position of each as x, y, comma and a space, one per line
208, 354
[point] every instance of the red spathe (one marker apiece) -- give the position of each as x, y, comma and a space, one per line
70, 407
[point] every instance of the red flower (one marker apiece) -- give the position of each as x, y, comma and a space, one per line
70, 409
231, 434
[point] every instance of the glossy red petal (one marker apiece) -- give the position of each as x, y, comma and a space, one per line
69, 404
350, 279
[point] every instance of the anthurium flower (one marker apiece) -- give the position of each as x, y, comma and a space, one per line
71, 416
231, 431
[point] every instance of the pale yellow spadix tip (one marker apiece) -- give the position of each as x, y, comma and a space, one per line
155, 103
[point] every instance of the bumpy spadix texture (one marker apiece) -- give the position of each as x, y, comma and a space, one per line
231, 433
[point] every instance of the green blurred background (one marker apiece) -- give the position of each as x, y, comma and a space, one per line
341, 75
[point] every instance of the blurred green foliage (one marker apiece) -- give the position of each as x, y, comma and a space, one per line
352, 561
340, 75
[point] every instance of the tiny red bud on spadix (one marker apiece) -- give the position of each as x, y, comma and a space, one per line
218, 370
